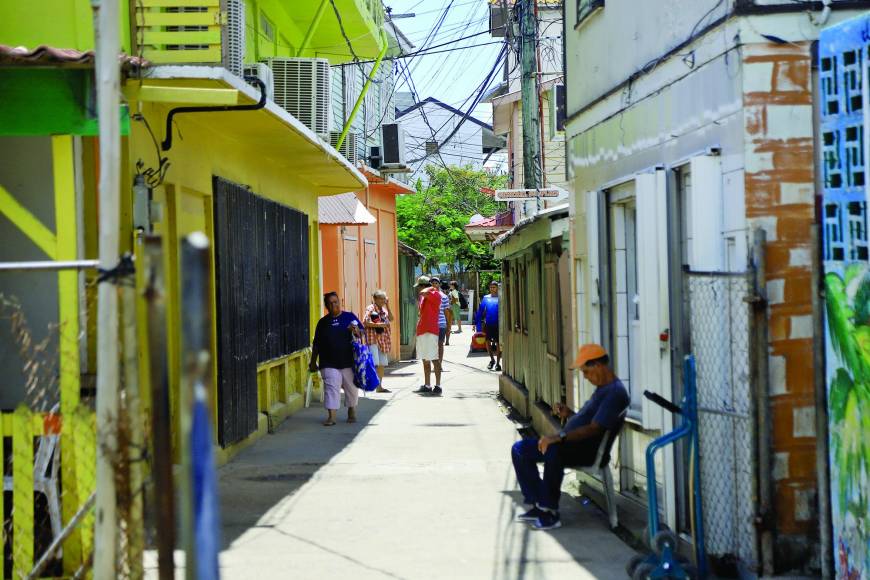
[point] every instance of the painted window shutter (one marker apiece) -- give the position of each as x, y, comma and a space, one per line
593, 261
706, 250
652, 277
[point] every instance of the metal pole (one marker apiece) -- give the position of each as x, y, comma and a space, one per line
196, 331
47, 265
314, 24
48, 555
362, 95
821, 391
108, 45
531, 117
765, 512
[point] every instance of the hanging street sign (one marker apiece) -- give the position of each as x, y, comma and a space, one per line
524, 194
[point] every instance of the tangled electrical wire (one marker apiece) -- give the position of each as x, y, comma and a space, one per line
153, 176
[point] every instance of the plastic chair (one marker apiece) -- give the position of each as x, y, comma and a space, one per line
601, 468
45, 467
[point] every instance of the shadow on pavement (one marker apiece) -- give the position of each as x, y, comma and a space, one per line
585, 535
272, 470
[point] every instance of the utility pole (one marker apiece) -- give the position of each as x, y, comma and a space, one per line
108, 74
531, 106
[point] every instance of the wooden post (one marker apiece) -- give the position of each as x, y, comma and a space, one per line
82, 424
161, 442
135, 527
22, 492
2, 504
68, 311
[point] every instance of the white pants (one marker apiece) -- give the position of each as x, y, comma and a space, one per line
333, 381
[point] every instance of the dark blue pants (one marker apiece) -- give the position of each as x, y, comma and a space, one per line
545, 492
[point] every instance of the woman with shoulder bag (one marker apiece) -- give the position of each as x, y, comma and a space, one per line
376, 321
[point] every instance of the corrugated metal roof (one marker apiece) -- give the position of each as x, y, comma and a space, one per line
49, 55
344, 209
407, 250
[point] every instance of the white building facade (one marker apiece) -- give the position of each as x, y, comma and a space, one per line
679, 150
440, 135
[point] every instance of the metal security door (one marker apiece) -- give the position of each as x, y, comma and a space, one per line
262, 275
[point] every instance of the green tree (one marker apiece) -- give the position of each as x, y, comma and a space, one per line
433, 219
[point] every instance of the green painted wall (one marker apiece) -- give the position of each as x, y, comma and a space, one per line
57, 23
50, 101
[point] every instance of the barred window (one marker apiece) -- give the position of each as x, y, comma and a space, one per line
586, 8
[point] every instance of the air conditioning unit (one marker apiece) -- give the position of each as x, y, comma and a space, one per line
264, 73
393, 144
302, 88
234, 37
375, 158
348, 147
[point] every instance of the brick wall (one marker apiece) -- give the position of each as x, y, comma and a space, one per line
780, 190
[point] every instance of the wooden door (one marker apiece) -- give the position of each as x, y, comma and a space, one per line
370, 249
350, 255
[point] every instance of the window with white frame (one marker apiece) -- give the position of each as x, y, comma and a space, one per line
624, 299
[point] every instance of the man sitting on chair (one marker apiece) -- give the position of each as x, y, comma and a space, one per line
576, 444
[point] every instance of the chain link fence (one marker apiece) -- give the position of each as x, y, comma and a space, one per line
720, 321
49, 447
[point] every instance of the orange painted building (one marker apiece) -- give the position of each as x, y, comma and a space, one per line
359, 248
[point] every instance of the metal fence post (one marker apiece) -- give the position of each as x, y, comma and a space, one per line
161, 434
761, 380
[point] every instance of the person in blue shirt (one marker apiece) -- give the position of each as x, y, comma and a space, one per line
486, 319
576, 444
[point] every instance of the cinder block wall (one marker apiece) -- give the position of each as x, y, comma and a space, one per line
780, 191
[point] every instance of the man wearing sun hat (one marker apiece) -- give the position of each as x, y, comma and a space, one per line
576, 444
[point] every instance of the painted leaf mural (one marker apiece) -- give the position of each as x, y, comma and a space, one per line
843, 61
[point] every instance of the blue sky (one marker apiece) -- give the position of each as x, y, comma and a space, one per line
450, 76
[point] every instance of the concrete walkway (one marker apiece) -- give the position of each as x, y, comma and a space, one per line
420, 487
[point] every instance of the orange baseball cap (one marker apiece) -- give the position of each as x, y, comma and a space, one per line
588, 352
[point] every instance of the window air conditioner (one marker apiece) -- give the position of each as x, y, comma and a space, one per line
234, 37
264, 73
301, 87
393, 144
348, 147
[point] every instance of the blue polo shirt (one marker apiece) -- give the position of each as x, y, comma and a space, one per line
487, 313
604, 407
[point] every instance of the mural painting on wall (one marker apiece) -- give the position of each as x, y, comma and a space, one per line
843, 60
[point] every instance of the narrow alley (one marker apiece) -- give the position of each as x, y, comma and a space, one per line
420, 487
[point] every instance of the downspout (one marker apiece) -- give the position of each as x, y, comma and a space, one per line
365, 90
167, 141
314, 24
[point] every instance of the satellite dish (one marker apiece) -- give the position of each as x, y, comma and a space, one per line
476, 219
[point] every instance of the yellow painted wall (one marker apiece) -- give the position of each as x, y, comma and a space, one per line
58, 23
199, 153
